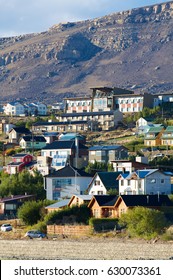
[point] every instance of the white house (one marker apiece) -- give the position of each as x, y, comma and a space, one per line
14, 109
36, 109
147, 181
66, 182
102, 182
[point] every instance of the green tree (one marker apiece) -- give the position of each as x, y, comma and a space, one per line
31, 212
21, 183
144, 222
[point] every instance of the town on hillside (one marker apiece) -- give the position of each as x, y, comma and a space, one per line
107, 153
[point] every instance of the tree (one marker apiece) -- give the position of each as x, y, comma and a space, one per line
32, 211
21, 183
144, 222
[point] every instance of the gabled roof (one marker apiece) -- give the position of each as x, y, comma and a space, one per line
145, 172
84, 197
35, 138
104, 200
21, 129
107, 148
58, 144
109, 179
69, 171
140, 174
155, 129
145, 200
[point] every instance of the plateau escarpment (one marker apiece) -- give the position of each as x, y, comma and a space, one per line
130, 49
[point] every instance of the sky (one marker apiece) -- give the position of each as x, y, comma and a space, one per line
31, 16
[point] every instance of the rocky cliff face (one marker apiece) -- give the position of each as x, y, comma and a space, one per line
131, 49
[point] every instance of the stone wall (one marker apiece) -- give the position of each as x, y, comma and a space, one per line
72, 230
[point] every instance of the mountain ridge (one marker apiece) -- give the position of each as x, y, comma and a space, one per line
128, 49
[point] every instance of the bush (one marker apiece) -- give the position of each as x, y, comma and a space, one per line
75, 214
144, 222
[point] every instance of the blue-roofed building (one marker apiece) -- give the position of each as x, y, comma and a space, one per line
107, 153
147, 181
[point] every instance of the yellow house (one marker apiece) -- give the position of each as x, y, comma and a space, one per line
153, 136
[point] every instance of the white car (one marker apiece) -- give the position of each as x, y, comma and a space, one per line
6, 227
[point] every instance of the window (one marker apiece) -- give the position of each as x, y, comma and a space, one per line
128, 182
96, 213
122, 182
97, 183
100, 193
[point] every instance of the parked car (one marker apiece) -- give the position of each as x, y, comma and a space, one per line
35, 234
6, 227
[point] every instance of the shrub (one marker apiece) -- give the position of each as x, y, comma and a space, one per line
144, 222
75, 214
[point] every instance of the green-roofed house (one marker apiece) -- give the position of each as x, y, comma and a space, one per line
167, 136
153, 136
102, 182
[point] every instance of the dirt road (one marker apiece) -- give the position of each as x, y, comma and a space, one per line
83, 249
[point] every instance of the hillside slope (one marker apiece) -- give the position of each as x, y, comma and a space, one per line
131, 49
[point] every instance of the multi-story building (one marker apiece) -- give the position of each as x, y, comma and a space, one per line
14, 109
77, 105
167, 136
153, 136
107, 153
66, 182
18, 109
148, 181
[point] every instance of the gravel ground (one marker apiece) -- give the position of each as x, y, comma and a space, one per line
85, 249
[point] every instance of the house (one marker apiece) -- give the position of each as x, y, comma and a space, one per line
32, 142
167, 136
125, 202
57, 206
19, 162
147, 181
102, 206
9, 205
107, 153
79, 200
16, 133
153, 136
14, 109
36, 109
130, 166
102, 182
62, 152
66, 182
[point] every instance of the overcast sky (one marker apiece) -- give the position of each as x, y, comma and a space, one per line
27, 16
